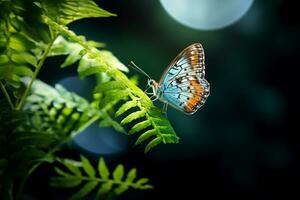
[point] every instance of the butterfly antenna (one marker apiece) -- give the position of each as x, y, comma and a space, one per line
134, 66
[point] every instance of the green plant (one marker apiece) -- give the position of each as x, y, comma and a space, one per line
37, 119
109, 187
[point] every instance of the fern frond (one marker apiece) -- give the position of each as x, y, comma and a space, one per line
66, 11
60, 109
25, 42
18, 52
108, 184
75, 52
121, 91
22, 41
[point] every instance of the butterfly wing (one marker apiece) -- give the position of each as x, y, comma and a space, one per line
183, 84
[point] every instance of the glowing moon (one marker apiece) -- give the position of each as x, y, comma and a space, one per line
206, 14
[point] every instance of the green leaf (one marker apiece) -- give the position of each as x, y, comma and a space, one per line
20, 43
108, 86
95, 43
28, 154
4, 59
22, 71
61, 172
85, 190
113, 61
118, 173
71, 59
88, 66
146, 187
13, 80
113, 97
67, 11
122, 188
73, 168
102, 168
145, 136
140, 126
131, 176
104, 189
31, 138
88, 168
141, 181
169, 138
83, 52
153, 143
69, 181
61, 46
23, 58
133, 116
141, 184
126, 106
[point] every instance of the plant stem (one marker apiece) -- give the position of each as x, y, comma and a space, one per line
84, 126
84, 178
36, 72
7, 96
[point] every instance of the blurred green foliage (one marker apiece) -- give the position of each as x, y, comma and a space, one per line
52, 116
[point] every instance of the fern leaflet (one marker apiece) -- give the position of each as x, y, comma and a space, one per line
108, 184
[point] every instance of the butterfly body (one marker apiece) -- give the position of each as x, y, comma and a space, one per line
183, 85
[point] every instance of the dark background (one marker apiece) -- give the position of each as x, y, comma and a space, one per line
240, 143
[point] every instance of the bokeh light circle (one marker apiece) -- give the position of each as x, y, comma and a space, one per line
206, 14
95, 139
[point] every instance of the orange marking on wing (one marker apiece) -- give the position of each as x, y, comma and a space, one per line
194, 60
195, 98
188, 109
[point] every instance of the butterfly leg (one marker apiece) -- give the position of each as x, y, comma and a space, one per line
153, 98
145, 91
165, 108
148, 93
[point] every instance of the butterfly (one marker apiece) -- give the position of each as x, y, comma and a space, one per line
183, 84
